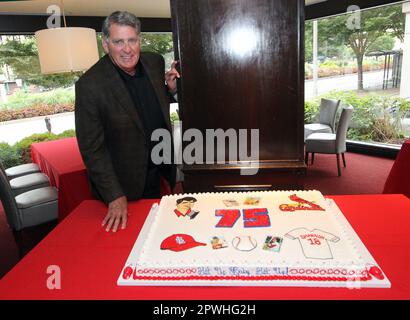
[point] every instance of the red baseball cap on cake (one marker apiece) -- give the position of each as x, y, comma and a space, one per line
180, 242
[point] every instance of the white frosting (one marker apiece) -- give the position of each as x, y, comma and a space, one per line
336, 255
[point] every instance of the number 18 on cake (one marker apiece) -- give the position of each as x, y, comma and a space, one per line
269, 238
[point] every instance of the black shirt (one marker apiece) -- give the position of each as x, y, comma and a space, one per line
146, 102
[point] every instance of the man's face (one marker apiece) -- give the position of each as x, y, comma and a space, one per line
185, 206
123, 46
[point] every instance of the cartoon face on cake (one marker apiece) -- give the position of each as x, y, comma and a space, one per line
184, 207
230, 202
252, 200
218, 242
272, 243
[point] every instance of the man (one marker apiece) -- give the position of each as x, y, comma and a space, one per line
120, 101
184, 207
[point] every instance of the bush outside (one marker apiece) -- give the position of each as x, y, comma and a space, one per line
34, 111
9, 155
331, 68
20, 152
22, 99
27, 105
376, 118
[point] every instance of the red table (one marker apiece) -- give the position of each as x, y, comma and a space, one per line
91, 259
61, 161
398, 180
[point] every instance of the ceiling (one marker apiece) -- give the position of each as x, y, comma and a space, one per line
142, 8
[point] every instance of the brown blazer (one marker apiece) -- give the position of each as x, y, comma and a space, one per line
109, 130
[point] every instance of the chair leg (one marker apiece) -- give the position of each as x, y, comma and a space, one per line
344, 161
338, 164
306, 157
313, 157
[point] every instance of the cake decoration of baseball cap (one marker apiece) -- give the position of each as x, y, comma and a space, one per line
180, 242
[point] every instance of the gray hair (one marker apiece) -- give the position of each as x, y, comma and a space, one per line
123, 18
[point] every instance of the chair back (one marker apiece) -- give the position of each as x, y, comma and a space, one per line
342, 127
328, 111
9, 203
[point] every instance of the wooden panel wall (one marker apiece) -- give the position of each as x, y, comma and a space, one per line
242, 66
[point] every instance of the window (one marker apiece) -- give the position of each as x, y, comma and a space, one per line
359, 59
23, 86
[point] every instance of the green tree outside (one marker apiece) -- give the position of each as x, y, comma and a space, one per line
22, 57
160, 43
375, 25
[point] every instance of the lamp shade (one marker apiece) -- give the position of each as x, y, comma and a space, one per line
66, 49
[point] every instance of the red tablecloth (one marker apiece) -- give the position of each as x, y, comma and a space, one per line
398, 180
91, 259
61, 161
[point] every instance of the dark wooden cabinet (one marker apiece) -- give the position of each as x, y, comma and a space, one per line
242, 67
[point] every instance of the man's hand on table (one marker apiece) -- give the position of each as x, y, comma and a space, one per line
117, 214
